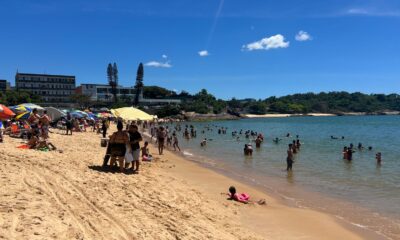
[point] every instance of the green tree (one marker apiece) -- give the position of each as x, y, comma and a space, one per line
82, 100
111, 80
139, 83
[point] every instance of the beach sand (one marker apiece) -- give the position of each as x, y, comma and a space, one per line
52, 195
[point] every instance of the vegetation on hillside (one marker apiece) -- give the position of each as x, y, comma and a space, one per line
14, 97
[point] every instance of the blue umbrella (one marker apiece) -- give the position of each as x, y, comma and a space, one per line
76, 115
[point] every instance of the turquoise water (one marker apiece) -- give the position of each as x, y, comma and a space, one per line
360, 191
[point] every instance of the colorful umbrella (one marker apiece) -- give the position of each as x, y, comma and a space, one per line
20, 109
5, 112
24, 115
31, 106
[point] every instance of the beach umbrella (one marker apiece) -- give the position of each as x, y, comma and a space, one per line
131, 113
91, 115
54, 113
18, 109
23, 116
82, 113
5, 112
31, 106
76, 115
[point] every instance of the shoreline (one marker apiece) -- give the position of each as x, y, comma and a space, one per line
278, 115
218, 176
68, 196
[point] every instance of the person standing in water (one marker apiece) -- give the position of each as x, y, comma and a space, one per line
289, 159
175, 141
378, 158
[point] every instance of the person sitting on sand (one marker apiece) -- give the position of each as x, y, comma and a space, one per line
118, 141
146, 156
242, 197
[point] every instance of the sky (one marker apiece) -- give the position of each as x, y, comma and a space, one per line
232, 48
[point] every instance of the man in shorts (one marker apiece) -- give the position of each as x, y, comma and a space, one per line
134, 138
45, 121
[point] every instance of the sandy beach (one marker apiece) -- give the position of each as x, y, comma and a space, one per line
53, 195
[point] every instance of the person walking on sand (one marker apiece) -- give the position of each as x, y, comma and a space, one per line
175, 142
161, 134
289, 159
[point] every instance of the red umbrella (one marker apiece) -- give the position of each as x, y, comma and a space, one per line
5, 112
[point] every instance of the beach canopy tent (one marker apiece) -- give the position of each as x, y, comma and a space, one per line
54, 113
131, 113
5, 112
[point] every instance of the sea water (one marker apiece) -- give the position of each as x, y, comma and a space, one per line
361, 191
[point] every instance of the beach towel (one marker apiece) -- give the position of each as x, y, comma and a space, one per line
24, 146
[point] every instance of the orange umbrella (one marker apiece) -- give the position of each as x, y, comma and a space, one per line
5, 112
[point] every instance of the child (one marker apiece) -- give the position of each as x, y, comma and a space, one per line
243, 197
145, 152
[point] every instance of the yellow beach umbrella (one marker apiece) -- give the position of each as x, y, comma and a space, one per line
131, 113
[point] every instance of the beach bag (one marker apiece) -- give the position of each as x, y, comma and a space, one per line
128, 157
104, 142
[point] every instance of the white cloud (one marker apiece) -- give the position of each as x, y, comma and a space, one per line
372, 12
277, 41
158, 64
303, 36
203, 53
175, 90
164, 56
357, 11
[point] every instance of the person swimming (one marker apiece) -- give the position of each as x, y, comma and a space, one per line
276, 140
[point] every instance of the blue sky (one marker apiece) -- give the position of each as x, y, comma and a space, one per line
232, 48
